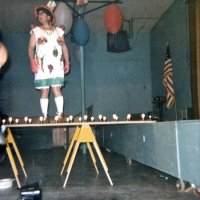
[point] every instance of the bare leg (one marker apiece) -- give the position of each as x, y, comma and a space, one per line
56, 90
45, 93
58, 100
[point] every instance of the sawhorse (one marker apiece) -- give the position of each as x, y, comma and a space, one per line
9, 139
84, 134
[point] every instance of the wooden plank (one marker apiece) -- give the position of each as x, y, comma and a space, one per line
74, 124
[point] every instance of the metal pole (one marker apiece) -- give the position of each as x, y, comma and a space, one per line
82, 81
82, 65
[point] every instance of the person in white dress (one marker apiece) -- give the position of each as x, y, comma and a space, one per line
49, 58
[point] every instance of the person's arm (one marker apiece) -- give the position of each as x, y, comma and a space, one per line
66, 57
31, 48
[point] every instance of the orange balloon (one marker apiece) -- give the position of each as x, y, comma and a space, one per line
3, 55
113, 18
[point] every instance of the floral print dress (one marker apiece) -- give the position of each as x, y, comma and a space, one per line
49, 57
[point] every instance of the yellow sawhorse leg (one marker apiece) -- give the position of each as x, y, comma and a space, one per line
86, 136
12, 162
92, 156
11, 140
71, 162
74, 139
102, 162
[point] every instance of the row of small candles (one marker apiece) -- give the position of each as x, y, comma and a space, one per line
70, 119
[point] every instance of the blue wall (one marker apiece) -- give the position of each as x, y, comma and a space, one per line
171, 147
172, 28
115, 82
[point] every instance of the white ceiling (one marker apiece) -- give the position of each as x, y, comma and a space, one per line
17, 15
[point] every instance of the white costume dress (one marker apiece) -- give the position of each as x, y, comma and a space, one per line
49, 57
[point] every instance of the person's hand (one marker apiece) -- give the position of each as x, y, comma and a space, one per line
34, 66
67, 67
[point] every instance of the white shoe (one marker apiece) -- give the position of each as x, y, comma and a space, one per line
45, 119
59, 117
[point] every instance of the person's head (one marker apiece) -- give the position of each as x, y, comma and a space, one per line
45, 10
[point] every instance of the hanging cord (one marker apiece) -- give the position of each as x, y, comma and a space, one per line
134, 39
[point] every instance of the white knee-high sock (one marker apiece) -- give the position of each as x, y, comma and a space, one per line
59, 103
44, 106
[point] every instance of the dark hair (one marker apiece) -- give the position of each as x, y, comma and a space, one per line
45, 11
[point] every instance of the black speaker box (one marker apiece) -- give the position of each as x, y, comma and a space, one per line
118, 42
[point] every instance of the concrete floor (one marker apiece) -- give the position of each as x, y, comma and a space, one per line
134, 181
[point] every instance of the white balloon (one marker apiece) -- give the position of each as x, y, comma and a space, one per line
63, 16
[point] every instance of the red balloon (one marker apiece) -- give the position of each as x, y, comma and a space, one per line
113, 18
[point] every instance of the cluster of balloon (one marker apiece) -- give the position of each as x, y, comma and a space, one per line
63, 17
113, 18
81, 32
3, 55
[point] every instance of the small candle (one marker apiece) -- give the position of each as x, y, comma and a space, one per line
85, 117
70, 118
150, 117
92, 119
56, 119
3, 121
16, 121
30, 121
128, 117
142, 116
100, 117
115, 117
104, 118
10, 119
25, 119
80, 119
67, 119
41, 119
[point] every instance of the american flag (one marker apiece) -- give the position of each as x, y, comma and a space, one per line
168, 80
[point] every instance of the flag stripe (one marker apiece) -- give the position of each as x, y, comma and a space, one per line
168, 80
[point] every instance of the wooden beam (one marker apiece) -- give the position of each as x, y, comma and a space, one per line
74, 1
105, 3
